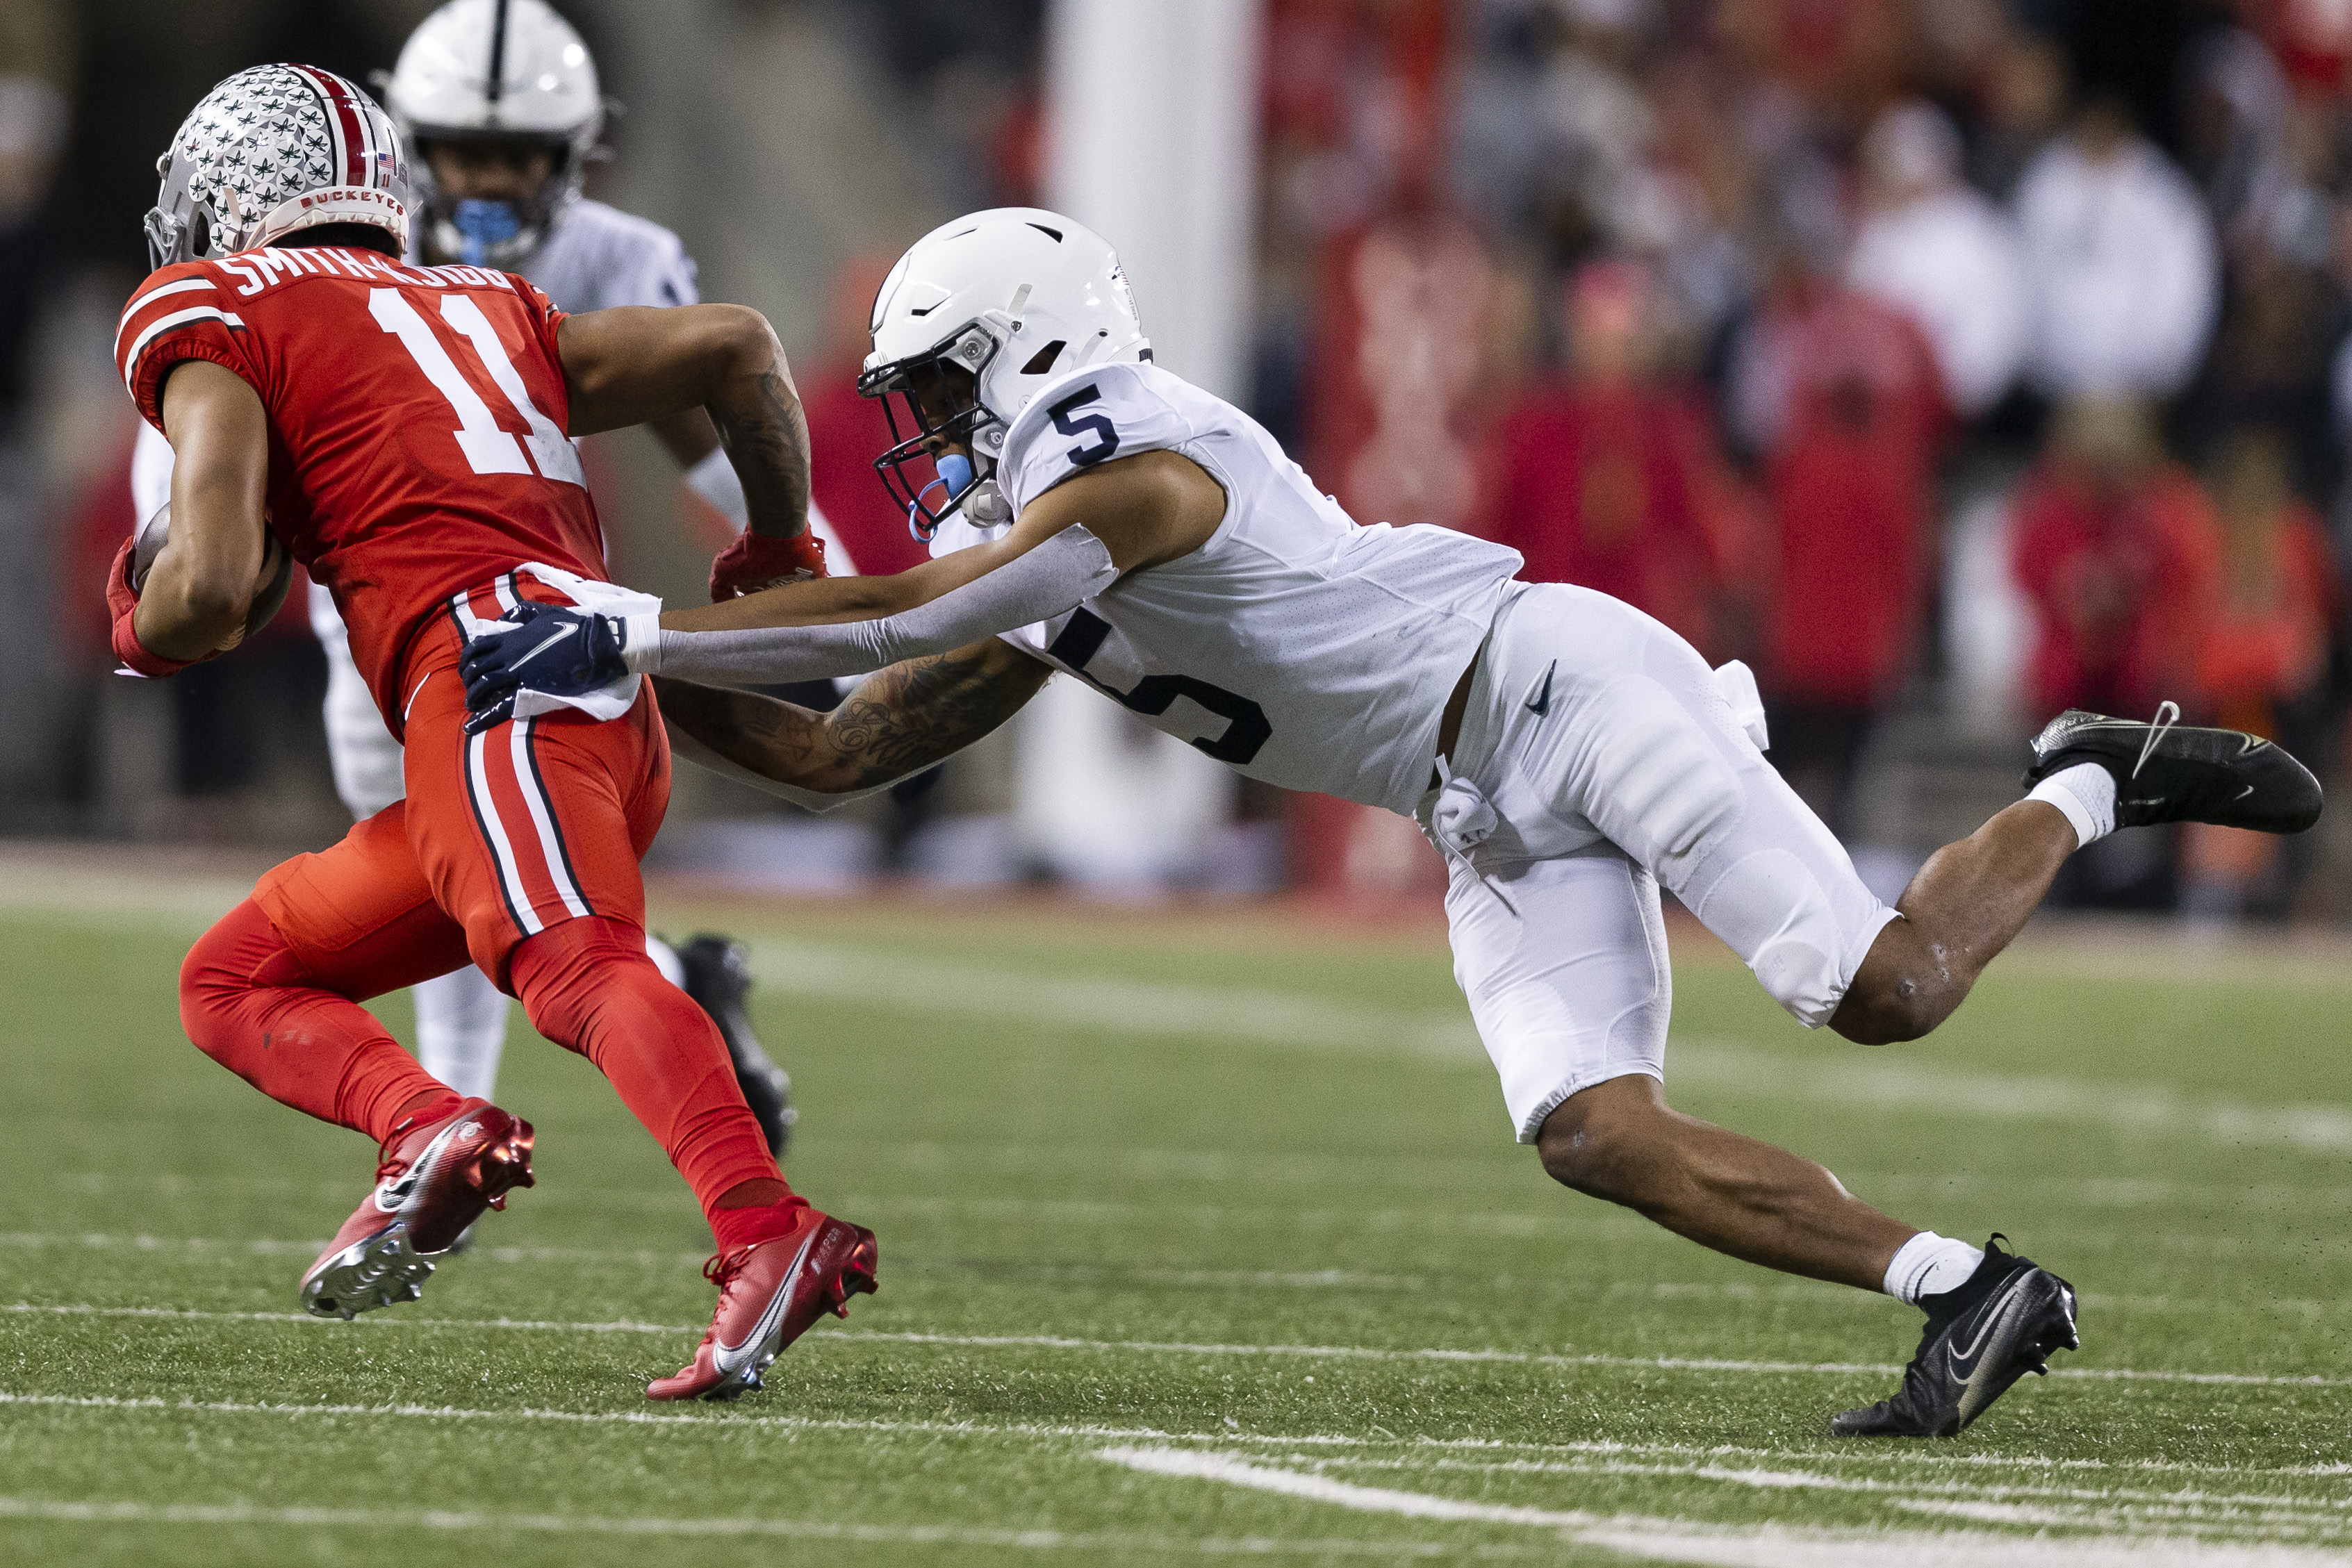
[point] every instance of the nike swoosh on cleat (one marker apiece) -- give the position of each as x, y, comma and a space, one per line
1986, 1381
1539, 704
733, 1358
551, 641
2243, 793
1961, 1361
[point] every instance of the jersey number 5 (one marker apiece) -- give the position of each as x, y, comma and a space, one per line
1246, 727
487, 448
1096, 425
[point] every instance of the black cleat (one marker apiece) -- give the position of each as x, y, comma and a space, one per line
2004, 1322
2167, 772
719, 978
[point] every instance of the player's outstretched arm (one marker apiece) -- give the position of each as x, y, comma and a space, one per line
898, 721
1073, 542
1146, 509
201, 584
649, 365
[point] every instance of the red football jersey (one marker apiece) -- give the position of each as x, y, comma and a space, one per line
416, 424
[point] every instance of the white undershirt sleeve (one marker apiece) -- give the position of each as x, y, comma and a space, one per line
1049, 580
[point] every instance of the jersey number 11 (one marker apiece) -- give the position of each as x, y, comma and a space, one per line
487, 448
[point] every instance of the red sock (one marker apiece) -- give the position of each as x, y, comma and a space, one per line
588, 984
247, 1002
733, 1228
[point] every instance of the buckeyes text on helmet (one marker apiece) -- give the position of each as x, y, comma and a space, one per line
497, 71
271, 150
1011, 297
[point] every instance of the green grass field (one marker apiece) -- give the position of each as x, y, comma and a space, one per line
1200, 1238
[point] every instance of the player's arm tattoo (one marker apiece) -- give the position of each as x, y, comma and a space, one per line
636, 364
908, 716
765, 432
898, 722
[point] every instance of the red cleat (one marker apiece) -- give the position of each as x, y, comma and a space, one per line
769, 1294
435, 1182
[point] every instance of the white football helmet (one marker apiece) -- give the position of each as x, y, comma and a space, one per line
271, 150
496, 70
989, 308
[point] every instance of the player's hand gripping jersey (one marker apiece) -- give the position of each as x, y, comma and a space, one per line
1302, 647
416, 418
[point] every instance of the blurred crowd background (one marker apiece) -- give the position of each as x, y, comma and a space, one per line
1951, 362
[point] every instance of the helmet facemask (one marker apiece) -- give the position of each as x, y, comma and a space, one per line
943, 455
501, 231
508, 77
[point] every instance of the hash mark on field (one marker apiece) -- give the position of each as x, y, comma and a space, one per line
1682, 1541
734, 1418
1178, 1347
55, 1510
2334, 1511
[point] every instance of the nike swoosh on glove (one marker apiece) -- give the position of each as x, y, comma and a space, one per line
755, 562
543, 647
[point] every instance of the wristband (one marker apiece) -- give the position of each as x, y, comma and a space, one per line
641, 643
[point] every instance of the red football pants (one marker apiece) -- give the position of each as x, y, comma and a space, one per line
516, 848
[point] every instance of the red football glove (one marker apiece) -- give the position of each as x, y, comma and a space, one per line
755, 562
122, 603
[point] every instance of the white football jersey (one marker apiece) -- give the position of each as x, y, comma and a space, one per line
1301, 647
597, 258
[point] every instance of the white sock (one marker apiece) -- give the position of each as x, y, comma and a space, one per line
2086, 793
1929, 1265
461, 1027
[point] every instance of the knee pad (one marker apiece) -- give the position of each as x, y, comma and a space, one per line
1659, 787
1772, 910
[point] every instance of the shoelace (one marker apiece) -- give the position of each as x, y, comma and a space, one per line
721, 1267
2167, 714
1461, 819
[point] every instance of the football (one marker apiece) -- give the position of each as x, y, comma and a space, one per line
269, 588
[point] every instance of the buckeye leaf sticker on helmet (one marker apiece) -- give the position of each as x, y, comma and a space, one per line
271, 150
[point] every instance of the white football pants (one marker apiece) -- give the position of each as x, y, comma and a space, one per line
461, 1018
1614, 763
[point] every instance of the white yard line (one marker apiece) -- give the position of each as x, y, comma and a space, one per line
738, 1417
1110, 1274
1097, 1544
1180, 1347
2334, 1509
1195, 1464
309, 1247
1768, 1547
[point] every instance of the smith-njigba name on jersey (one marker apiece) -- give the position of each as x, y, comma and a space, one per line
416, 414
1299, 645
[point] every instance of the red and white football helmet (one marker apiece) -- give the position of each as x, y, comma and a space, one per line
271, 150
